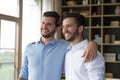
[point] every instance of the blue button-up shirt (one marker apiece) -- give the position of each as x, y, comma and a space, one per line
44, 62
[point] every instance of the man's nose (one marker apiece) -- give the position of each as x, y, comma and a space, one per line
44, 26
64, 29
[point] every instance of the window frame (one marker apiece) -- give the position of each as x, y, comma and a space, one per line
18, 41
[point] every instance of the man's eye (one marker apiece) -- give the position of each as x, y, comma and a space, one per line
42, 23
68, 26
49, 24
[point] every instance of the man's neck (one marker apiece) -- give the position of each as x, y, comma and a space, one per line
46, 40
76, 41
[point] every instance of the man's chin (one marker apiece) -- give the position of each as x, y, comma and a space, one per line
69, 39
66, 39
46, 36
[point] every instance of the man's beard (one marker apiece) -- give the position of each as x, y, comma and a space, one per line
72, 38
49, 35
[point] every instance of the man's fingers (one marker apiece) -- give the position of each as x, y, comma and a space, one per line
89, 57
84, 54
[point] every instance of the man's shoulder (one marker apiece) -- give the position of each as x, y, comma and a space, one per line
62, 41
32, 43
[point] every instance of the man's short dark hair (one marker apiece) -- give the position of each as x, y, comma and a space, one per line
53, 14
80, 19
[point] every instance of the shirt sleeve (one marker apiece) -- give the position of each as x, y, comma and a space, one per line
96, 68
24, 66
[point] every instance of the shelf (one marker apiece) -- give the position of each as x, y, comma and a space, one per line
112, 78
111, 27
76, 6
114, 62
96, 27
102, 20
111, 4
111, 44
99, 16
96, 5
111, 15
87, 27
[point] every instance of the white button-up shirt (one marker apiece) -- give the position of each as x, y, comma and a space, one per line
76, 69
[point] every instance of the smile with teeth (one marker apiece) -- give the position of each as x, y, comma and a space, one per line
67, 34
45, 31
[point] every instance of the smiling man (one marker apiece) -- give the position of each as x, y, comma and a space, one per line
75, 68
44, 59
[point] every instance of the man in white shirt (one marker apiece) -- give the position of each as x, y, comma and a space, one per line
75, 68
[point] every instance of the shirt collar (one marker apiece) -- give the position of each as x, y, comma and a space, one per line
52, 42
79, 45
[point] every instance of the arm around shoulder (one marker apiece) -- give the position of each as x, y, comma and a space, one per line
90, 51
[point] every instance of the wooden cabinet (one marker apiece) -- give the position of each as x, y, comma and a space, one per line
103, 26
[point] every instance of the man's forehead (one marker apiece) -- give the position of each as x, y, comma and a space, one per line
47, 17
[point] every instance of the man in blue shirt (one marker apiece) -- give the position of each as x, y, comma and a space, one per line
44, 60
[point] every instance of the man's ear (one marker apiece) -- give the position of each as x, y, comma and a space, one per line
80, 28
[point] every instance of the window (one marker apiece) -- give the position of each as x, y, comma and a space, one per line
9, 7
10, 38
7, 50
